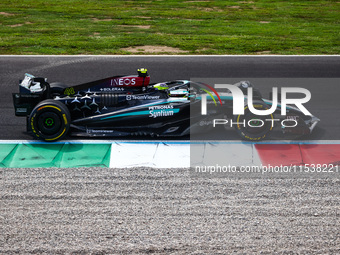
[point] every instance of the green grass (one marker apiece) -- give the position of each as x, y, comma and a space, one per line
196, 27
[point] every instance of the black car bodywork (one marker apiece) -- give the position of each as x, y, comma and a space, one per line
130, 105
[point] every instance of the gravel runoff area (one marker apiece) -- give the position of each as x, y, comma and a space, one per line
164, 211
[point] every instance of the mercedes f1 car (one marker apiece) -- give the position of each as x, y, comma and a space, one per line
130, 105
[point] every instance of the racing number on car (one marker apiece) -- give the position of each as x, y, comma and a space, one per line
69, 91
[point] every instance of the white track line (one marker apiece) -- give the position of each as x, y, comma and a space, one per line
160, 56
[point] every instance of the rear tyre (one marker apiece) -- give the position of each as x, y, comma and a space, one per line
50, 120
253, 127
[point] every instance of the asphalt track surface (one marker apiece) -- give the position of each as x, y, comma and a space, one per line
162, 211
76, 70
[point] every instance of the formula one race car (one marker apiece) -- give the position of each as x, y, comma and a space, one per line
130, 105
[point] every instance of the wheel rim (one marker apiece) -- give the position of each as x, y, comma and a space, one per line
255, 126
49, 123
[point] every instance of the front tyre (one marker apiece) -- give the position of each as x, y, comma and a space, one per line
50, 120
253, 127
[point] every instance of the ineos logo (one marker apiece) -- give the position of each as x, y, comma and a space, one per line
123, 82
